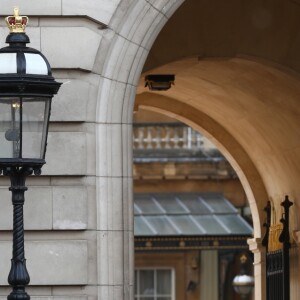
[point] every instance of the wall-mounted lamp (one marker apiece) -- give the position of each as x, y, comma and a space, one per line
159, 82
191, 286
242, 283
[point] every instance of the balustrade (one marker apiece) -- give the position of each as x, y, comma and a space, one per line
167, 136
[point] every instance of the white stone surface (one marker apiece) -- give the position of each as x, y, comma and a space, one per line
120, 58
90, 149
113, 55
111, 102
37, 209
127, 113
71, 47
104, 50
3, 34
165, 6
69, 208
91, 206
66, 154
109, 149
127, 147
147, 22
111, 270
125, 61
110, 203
56, 262
134, 20
100, 10
32, 7
172, 6
46, 208
118, 65
135, 75
127, 197
151, 35
70, 104
111, 292
129, 260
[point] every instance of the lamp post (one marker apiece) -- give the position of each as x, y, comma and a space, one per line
26, 91
242, 283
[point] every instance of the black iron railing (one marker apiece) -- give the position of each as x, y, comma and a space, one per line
277, 243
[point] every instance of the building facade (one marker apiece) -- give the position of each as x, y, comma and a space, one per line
237, 80
188, 236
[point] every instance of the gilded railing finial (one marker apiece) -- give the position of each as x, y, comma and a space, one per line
16, 23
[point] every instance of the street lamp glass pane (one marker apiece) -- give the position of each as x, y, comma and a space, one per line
34, 125
10, 127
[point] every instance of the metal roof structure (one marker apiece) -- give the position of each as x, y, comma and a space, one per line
185, 221
187, 214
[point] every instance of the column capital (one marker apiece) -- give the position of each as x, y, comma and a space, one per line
255, 245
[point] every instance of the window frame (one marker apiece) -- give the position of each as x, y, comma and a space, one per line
155, 296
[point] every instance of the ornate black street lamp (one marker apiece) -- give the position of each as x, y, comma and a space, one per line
243, 284
26, 91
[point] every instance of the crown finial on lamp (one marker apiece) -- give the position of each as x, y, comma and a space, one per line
16, 23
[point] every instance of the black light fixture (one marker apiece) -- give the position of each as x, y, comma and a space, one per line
159, 82
243, 284
26, 91
191, 286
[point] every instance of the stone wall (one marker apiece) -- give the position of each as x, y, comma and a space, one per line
62, 241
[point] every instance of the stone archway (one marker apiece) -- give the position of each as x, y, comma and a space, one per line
132, 31
254, 91
254, 102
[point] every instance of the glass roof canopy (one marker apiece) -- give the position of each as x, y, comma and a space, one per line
186, 214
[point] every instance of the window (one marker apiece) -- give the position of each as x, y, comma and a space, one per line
154, 284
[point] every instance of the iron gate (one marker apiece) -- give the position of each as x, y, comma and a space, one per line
277, 243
